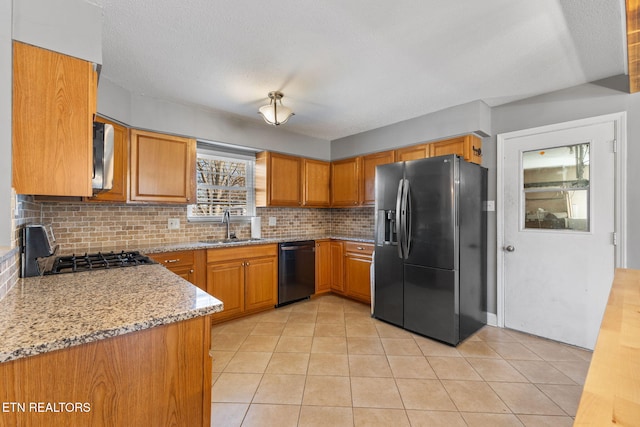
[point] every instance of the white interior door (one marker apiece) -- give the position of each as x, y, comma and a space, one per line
558, 253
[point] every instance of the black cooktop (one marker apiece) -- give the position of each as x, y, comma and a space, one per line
98, 261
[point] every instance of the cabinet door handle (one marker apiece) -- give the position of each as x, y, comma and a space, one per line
247, 263
169, 261
191, 271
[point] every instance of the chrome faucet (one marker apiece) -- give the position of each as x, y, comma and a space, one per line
227, 218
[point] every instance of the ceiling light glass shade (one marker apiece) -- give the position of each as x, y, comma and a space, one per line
275, 113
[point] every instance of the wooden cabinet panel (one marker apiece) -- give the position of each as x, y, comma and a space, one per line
225, 281
285, 180
241, 252
162, 168
345, 182
337, 266
261, 283
159, 376
468, 147
54, 100
357, 270
323, 266
278, 180
187, 273
414, 152
368, 178
190, 265
316, 183
119, 190
244, 278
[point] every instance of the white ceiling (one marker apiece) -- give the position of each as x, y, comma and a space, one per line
347, 66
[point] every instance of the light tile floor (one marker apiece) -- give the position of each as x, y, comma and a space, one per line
326, 362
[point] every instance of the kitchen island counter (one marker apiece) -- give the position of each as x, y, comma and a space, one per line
42, 314
611, 394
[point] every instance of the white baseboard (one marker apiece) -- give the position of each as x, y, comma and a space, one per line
492, 319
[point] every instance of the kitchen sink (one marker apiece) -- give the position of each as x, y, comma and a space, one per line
226, 241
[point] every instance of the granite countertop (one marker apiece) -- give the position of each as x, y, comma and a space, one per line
170, 247
42, 314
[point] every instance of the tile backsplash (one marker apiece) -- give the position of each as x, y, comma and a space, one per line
97, 226
80, 227
28, 213
353, 222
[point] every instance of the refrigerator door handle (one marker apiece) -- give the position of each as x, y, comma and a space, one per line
399, 218
407, 219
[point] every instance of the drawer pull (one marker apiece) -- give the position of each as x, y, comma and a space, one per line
360, 248
169, 261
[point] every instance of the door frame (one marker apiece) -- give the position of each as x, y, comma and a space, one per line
620, 215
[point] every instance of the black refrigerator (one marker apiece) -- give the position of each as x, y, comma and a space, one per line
430, 247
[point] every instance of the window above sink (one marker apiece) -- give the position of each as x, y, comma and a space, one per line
224, 181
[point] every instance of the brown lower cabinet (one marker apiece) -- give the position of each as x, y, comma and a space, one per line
337, 266
323, 266
244, 278
190, 265
350, 269
357, 267
154, 377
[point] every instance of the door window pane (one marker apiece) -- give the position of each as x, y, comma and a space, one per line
556, 188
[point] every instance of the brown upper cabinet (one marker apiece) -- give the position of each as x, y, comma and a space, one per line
368, 180
118, 192
414, 152
353, 179
54, 101
468, 147
345, 182
315, 181
283, 180
278, 180
163, 168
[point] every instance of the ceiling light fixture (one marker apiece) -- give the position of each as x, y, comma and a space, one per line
273, 113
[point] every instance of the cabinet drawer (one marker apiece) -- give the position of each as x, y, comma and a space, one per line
241, 252
359, 248
174, 259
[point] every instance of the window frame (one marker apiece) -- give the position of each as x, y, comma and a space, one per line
533, 188
232, 156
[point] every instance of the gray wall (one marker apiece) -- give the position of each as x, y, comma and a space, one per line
574, 103
569, 104
473, 117
72, 27
5, 122
164, 116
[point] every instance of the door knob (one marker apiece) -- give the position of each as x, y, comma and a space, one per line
509, 248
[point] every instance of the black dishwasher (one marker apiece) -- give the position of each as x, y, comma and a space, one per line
296, 271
